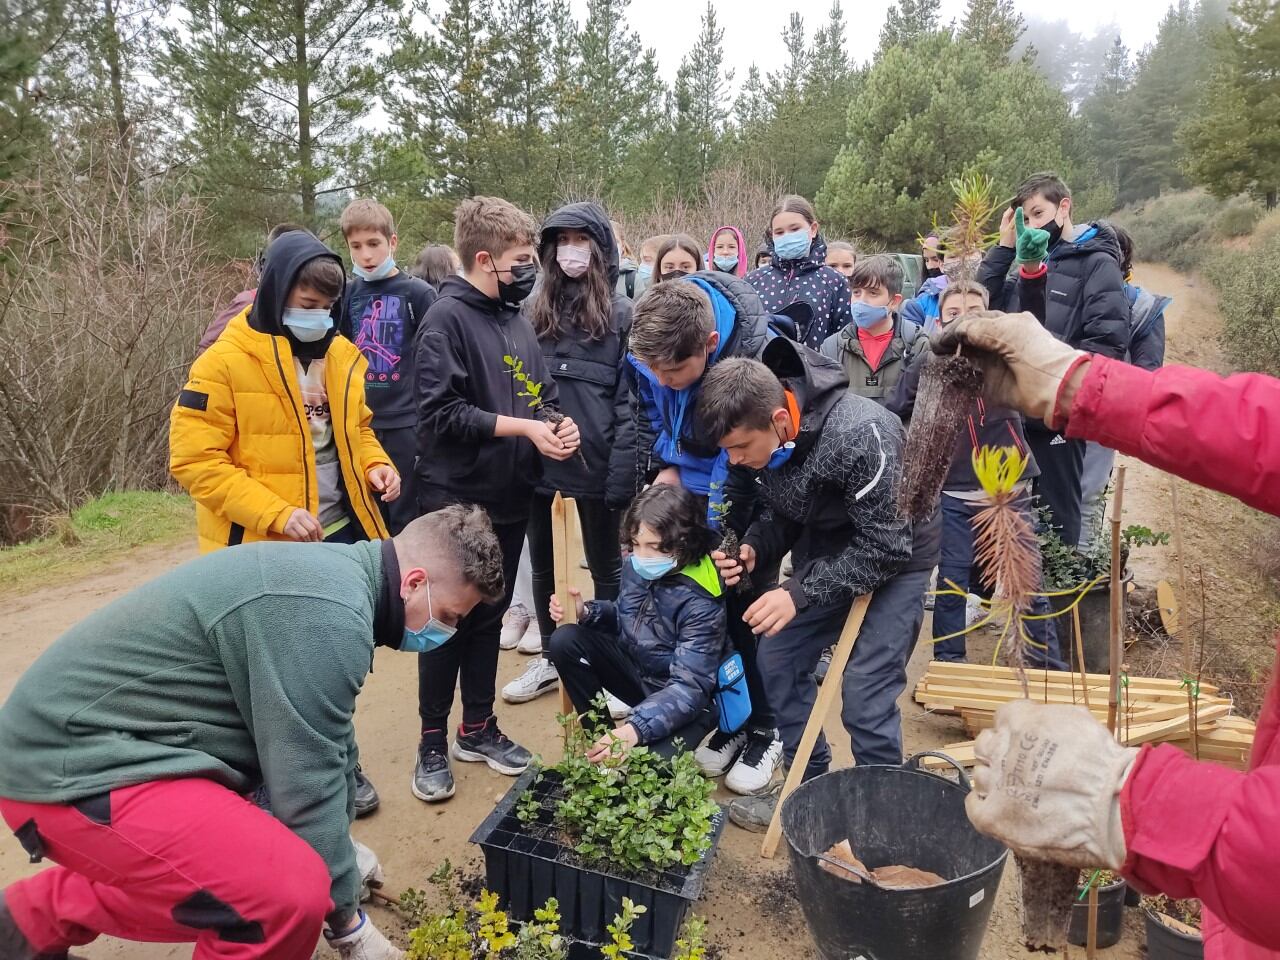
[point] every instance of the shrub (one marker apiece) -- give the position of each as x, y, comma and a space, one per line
1237, 220
1175, 228
1249, 297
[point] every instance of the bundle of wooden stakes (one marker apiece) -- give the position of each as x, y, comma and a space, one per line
1152, 710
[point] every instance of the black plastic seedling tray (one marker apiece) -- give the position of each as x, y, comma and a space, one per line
527, 863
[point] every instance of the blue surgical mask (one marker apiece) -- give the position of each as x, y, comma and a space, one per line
645, 270
793, 245
432, 635
307, 325
781, 455
652, 568
867, 315
380, 272
726, 263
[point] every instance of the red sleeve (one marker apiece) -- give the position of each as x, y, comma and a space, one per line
1221, 433
1195, 829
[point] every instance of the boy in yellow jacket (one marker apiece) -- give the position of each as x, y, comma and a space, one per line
271, 435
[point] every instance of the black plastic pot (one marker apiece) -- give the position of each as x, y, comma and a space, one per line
1132, 898
1110, 916
1095, 626
1166, 943
525, 864
892, 815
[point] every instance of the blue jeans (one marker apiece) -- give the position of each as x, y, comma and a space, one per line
872, 682
955, 565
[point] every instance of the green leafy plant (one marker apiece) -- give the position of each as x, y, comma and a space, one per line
533, 389
690, 945
730, 545
1184, 911
620, 930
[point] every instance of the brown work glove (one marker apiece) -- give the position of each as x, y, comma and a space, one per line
1023, 363
1047, 784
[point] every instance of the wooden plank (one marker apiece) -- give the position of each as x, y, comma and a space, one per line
564, 554
1002, 692
939, 668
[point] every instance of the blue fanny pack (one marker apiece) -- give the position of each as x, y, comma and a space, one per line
733, 702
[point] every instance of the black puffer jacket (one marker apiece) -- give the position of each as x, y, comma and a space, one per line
1084, 302
673, 629
590, 375
807, 280
839, 487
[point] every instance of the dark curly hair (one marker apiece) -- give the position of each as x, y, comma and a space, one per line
677, 517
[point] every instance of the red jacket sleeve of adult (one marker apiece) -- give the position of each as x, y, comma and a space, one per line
1197, 829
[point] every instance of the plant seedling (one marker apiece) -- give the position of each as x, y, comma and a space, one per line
532, 389
730, 545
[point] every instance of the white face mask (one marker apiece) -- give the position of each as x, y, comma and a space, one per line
573, 260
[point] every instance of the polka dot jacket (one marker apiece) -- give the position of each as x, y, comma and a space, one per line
808, 280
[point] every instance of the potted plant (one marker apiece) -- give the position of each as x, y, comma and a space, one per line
634, 826
1173, 929
1111, 894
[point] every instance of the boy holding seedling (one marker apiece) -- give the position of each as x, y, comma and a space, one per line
1069, 277
829, 464
381, 313
486, 403
962, 497
680, 331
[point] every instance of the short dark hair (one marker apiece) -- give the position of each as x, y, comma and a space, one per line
1125, 239
959, 287
323, 274
738, 392
280, 229
677, 517
879, 271
1047, 184
462, 535
671, 323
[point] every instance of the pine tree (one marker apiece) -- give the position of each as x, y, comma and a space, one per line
995, 25
1107, 119
708, 84
523, 71
751, 105
829, 86
907, 22
32, 37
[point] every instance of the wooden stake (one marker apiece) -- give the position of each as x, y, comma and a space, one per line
564, 554
1075, 622
1117, 602
1091, 942
817, 716
1186, 634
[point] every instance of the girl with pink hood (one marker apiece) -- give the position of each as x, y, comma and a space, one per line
727, 252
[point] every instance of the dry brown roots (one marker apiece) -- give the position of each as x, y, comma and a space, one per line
1007, 551
1048, 890
948, 388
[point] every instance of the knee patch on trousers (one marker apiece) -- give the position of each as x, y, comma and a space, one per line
203, 911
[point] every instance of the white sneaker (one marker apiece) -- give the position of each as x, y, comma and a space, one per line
540, 677
531, 643
973, 609
719, 752
515, 626
753, 771
618, 709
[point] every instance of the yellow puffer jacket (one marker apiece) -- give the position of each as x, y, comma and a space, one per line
240, 444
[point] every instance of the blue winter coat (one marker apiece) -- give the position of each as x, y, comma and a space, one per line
1146, 327
923, 309
673, 629
807, 280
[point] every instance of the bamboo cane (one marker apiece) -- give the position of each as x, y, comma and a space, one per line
1186, 634
564, 555
1117, 602
821, 707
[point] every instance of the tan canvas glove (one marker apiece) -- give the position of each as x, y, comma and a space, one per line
365, 942
1024, 365
1047, 784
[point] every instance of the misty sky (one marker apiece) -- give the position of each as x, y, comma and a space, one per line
753, 28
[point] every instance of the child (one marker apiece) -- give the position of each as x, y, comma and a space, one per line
657, 647
480, 442
829, 467
581, 323
798, 272
648, 262
1069, 277
678, 257
841, 257
681, 330
932, 251
628, 268
381, 313
727, 252
244, 297
764, 257
985, 426
434, 263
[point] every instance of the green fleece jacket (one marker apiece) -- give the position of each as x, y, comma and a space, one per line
242, 666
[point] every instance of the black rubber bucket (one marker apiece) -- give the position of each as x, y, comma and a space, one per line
1166, 943
892, 815
1110, 916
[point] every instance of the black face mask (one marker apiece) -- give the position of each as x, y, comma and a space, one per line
931, 272
673, 275
523, 278
1055, 232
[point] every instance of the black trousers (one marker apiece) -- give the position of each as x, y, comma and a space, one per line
599, 542
400, 444
589, 660
471, 657
1059, 487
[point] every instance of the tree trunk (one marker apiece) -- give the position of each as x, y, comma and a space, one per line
1271, 199
111, 47
307, 186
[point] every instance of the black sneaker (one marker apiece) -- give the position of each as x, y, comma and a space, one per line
366, 796
824, 664
432, 779
490, 745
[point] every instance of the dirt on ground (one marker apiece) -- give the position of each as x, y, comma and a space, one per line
750, 903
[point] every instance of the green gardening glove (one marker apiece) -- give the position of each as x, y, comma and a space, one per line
1032, 244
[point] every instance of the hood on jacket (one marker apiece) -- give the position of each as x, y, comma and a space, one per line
817, 256
283, 261
742, 269
818, 383
1093, 238
1144, 307
747, 320
592, 220
464, 291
